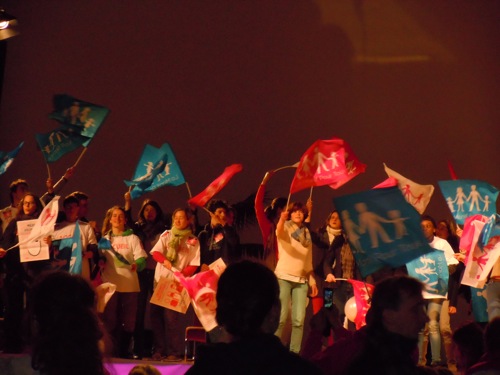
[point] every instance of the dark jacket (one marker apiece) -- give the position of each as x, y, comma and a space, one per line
263, 354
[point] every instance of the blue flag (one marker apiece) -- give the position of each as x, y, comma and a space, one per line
479, 304
382, 227
59, 142
6, 158
157, 167
75, 265
78, 116
432, 270
469, 197
490, 229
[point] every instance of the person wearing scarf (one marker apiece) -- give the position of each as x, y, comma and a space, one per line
177, 250
294, 270
124, 256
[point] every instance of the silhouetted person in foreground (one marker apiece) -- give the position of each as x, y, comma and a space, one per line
388, 343
248, 308
67, 337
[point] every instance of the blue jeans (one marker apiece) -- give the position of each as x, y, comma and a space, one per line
431, 332
297, 292
493, 299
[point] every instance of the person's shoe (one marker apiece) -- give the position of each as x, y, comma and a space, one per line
173, 358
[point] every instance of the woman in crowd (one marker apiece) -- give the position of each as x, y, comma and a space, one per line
149, 226
294, 270
177, 250
16, 278
122, 257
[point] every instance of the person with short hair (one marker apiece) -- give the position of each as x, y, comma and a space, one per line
388, 342
248, 309
294, 270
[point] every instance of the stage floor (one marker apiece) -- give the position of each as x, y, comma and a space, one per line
20, 364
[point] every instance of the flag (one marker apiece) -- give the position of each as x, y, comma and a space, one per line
491, 229
479, 304
469, 197
326, 162
390, 182
432, 270
78, 116
362, 293
201, 199
156, 168
59, 142
417, 195
6, 158
453, 175
45, 223
118, 259
383, 229
70, 249
479, 260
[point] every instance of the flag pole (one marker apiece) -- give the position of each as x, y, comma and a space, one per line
285, 167
189, 190
80, 157
48, 169
311, 193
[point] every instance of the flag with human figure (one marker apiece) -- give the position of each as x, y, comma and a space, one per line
363, 294
6, 158
215, 186
382, 227
480, 258
44, 224
78, 116
157, 167
469, 197
432, 270
417, 195
58, 143
202, 288
326, 162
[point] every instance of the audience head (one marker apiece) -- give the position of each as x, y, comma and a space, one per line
428, 225
468, 345
115, 217
30, 205
83, 203
297, 207
181, 218
333, 220
18, 188
397, 306
492, 336
150, 212
219, 209
66, 331
71, 208
248, 299
144, 370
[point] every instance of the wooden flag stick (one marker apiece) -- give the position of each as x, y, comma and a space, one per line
80, 157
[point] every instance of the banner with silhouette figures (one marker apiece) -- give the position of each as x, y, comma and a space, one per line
382, 227
469, 197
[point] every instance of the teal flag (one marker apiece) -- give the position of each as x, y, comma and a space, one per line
58, 143
469, 197
157, 167
78, 116
431, 269
6, 158
383, 229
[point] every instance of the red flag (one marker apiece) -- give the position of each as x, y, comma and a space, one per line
216, 186
389, 182
362, 293
452, 171
327, 162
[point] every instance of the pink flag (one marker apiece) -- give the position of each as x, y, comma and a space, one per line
327, 162
45, 223
363, 294
390, 182
417, 195
201, 199
472, 227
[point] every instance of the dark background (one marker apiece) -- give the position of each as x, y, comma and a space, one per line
410, 83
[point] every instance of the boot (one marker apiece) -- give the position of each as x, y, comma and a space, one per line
125, 345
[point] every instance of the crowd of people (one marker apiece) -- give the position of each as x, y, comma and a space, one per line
50, 305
